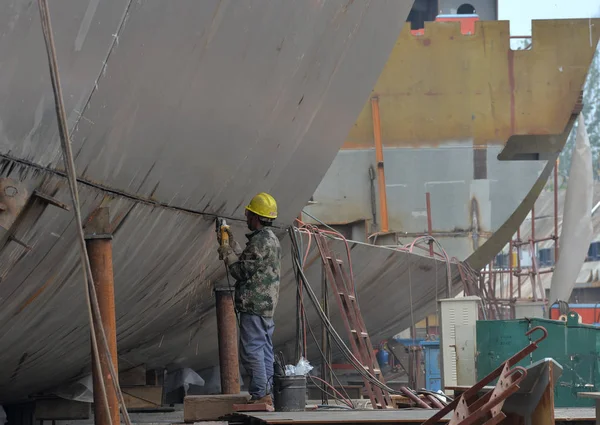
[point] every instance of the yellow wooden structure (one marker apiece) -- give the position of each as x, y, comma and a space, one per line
445, 86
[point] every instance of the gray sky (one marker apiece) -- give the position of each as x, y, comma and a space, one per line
521, 12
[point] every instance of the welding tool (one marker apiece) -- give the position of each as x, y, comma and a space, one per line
222, 229
223, 236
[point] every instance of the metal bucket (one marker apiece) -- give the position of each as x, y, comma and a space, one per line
289, 393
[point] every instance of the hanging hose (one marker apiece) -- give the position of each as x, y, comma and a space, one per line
346, 352
346, 399
313, 231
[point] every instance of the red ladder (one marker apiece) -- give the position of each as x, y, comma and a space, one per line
360, 341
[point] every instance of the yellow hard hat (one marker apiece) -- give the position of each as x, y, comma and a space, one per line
263, 205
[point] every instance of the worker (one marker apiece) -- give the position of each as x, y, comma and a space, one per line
256, 271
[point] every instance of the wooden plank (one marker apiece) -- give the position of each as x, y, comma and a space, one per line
544, 412
463, 388
142, 397
210, 407
566, 414
350, 416
401, 401
211, 423
596, 396
254, 407
573, 414
61, 409
354, 391
134, 376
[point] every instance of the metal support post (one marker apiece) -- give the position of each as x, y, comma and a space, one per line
556, 212
228, 346
511, 269
380, 170
429, 225
99, 246
325, 338
518, 262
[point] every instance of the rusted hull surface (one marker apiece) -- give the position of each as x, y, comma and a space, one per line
178, 110
194, 103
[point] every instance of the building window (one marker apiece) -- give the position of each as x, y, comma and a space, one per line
501, 261
421, 12
465, 9
593, 252
546, 257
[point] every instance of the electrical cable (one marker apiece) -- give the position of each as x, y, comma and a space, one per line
341, 344
339, 341
229, 285
323, 356
330, 367
319, 221
428, 238
346, 352
232, 292
336, 235
348, 402
339, 406
413, 330
300, 319
301, 323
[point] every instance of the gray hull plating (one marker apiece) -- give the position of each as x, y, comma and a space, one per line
178, 111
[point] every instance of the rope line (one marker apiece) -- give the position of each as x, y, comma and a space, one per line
94, 315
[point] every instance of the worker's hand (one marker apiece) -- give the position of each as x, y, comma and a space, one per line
227, 254
237, 249
224, 251
231, 258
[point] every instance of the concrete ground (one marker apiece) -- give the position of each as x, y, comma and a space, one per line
175, 416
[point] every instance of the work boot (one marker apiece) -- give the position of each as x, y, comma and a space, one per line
266, 399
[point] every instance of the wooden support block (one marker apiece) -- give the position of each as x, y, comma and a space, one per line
254, 407
142, 397
533, 403
155, 377
403, 402
134, 376
210, 407
544, 412
211, 423
52, 409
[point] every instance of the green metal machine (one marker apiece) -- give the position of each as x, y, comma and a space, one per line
576, 347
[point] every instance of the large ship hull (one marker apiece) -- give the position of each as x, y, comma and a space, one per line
179, 111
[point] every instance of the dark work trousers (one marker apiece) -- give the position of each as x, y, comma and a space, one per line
256, 352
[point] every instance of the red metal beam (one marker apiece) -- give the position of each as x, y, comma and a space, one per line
380, 171
228, 346
99, 248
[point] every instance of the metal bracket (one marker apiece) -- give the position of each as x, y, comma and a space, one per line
469, 410
50, 200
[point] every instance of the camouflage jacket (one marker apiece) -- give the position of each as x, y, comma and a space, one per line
257, 274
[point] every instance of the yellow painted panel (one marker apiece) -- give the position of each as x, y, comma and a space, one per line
432, 322
445, 86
